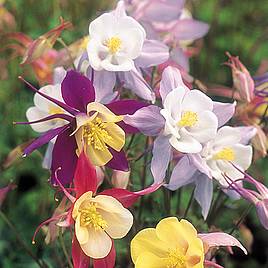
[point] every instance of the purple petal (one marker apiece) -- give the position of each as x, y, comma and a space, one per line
119, 161
135, 82
161, 156
247, 133
180, 57
220, 239
153, 53
147, 119
262, 210
123, 107
223, 111
48, 156
43, 139
200, 164
104, 83
58, 75
77, 90
64, 157
171, 79
203, 193
182, 174
189, 29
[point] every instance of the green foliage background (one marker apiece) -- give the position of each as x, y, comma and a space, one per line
240, 27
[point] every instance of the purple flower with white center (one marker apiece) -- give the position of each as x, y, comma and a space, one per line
115, 53
91, 126
259, 198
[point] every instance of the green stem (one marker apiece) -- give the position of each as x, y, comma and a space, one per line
178, 202
241, 219
63, 246
189, 204
68, 51
21, 242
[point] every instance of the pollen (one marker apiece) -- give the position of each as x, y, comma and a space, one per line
92, 218
188, 119
53, 109
226, 153
95, 133
113, 44
176, 259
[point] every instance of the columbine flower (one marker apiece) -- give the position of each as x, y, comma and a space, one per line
175, 243
188, 119
97, 220
91, 127
259, 198
115, 41
243, 82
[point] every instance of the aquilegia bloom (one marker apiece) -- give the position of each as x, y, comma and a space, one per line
90, 126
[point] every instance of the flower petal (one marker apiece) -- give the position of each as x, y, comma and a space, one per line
81, 232
118, 161
223, 111
117, 135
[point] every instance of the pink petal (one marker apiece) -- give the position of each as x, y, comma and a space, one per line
108, 261
80, 260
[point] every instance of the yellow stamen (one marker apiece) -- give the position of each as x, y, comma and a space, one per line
91, 217
175, 259
94, 133
114, 44
55, 110
188, 119
226, 153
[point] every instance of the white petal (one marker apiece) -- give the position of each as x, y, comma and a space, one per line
119, 223
108, 203
196, 101
81, 232
227, 136
206, 127
98, 245
243, 155
117, 64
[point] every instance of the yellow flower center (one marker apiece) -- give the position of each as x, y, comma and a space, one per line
226, 153
53, 109
95, 133
91, 217
114, 44
188, 119
175, 259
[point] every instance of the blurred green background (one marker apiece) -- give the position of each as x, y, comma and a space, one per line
240, 27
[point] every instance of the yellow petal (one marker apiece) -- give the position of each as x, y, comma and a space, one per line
117, 134
98, 245
189, 229
195, 249
81, 232
147, 241
169, 231
119, 223
98, 157
87, 196
108, 203
104, 113
149, 260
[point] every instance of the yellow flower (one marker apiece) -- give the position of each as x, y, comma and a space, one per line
97, 131
172, 244
98, 220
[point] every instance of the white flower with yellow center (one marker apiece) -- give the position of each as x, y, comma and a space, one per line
224, 151
43, 108
115, 41
97, 131
98, 220
189, 119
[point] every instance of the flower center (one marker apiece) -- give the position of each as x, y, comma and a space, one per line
53, 109
188, 119
175, 259
91, 217
226, 153
95, 133
114, 44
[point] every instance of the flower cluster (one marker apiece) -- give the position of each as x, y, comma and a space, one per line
131, 76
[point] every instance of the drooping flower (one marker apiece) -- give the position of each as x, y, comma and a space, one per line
175, 243
243, 82
92, 127
259, 198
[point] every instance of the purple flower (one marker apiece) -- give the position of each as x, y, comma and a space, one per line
90, 126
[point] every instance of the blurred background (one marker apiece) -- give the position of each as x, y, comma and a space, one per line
240, 27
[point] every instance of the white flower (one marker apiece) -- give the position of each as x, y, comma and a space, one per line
224, 151
43, 108
189, 119
115, 41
